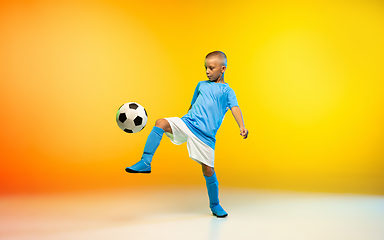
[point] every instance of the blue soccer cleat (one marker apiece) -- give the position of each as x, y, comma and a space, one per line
139, 167
219, 212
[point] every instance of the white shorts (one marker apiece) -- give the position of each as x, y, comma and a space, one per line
197, 149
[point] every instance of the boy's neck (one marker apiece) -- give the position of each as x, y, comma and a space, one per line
219, 80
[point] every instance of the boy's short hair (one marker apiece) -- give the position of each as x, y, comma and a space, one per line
218, 54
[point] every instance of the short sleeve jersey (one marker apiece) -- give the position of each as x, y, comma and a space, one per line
210, 102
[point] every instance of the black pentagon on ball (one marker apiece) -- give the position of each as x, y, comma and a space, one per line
122, 117
133, 106
138, 121
145, 113
128, 130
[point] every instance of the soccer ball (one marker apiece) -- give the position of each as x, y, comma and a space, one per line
131, 117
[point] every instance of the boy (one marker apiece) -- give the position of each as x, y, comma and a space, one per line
210, 102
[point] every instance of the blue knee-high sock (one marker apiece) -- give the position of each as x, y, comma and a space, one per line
152, 143
213, 190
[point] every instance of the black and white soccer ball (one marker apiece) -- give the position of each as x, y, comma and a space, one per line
131, 117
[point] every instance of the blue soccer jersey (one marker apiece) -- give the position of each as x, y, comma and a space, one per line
210, 102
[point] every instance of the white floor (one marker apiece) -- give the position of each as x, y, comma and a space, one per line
173, 213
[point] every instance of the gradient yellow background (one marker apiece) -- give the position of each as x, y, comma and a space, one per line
308, 77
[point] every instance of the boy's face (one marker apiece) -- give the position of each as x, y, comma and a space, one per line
214, 69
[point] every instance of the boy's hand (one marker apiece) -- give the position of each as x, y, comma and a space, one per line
244, 133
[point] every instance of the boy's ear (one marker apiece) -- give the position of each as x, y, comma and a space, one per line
223, 68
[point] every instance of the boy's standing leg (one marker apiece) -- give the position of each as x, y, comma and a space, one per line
213, 191
153, 141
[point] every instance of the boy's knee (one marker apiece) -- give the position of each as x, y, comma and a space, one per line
159, 122
163, 124
208, 171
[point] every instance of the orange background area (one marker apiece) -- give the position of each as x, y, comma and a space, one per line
308, 77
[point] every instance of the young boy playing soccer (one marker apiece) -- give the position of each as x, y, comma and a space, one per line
210, 102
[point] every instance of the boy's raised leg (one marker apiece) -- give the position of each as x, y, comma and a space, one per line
153, 141
213, 194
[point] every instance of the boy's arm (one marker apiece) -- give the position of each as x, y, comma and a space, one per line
189, 108
236, 112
